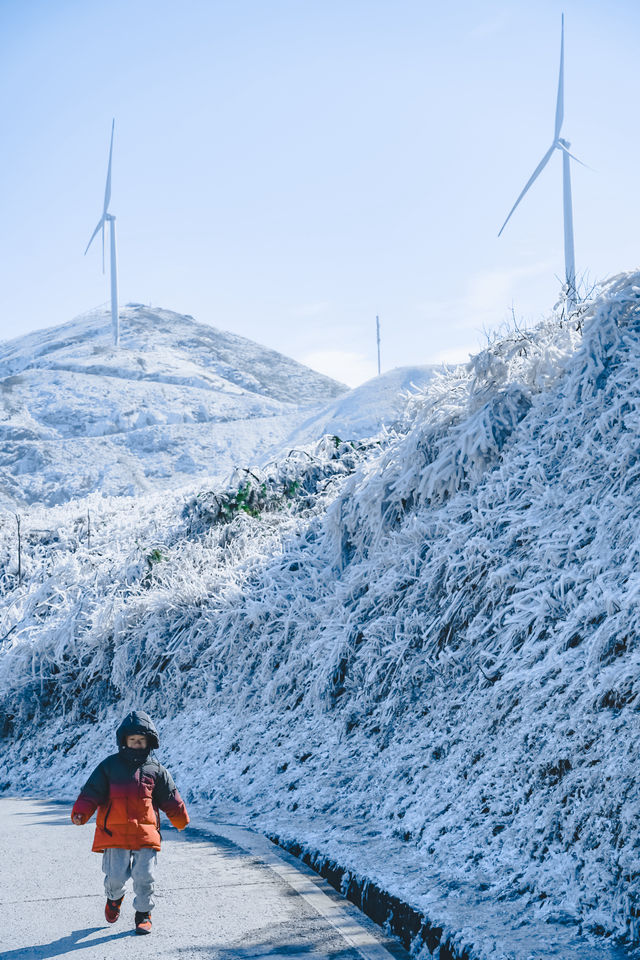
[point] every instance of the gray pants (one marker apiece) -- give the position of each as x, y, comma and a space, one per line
118, 865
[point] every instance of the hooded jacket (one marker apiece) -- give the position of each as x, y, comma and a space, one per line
128, 789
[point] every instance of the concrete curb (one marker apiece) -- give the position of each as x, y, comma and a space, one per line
411, 927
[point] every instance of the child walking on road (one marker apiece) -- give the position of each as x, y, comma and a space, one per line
128, 789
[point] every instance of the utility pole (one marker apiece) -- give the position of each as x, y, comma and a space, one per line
378, 338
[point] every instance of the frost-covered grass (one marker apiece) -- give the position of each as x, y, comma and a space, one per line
420, 651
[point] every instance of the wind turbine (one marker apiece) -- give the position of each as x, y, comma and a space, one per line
563, 145
115, 322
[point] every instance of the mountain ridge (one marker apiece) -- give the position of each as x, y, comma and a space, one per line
177, 399
206, 343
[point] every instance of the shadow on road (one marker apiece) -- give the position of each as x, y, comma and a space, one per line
52, 807
64, 945
269, 950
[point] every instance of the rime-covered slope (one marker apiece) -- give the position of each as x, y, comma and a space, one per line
418, 654
177, 399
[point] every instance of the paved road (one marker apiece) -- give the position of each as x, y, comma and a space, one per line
223, 893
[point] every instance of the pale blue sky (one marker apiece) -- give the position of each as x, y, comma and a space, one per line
287, 169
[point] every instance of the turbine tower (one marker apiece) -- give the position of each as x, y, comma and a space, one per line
563, 145
115, 322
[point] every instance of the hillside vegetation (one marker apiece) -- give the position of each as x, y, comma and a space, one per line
423, 645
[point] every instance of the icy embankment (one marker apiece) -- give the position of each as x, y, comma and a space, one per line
417, 655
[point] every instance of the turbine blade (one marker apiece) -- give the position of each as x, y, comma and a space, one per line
560, 100
93, 235
103, 245
573, 157
536, 173
107, 189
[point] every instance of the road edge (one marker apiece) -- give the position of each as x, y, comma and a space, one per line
411, 927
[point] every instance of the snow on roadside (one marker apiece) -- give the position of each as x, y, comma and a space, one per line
419, 650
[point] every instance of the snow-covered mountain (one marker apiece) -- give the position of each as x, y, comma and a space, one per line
416, 654
178, 399
365, 410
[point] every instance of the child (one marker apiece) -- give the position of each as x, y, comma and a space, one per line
128, 788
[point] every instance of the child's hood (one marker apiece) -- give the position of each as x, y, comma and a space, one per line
137, 722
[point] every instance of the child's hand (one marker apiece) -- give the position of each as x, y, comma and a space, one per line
77, 819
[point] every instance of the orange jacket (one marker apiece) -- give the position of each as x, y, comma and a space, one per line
128, 789
128, 799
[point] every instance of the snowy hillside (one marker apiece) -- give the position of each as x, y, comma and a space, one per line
177, 400
417, 654
365, 410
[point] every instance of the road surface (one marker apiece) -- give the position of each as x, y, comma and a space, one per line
223, 893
